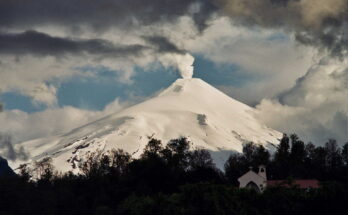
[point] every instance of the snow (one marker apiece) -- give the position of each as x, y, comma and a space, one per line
188, 108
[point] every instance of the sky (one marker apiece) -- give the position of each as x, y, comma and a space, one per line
64, 63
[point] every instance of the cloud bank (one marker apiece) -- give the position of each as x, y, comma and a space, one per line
54, 39
316, 107
319, 23
44, 43
17, 126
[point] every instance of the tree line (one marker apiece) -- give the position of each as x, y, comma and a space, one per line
173, 179
293, 159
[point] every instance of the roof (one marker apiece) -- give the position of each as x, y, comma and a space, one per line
303, 184
251, 174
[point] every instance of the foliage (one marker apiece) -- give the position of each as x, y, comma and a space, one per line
173, 179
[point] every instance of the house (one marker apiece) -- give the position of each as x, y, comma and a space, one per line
258, 181
253, 180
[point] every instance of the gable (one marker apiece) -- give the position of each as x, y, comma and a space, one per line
251, 176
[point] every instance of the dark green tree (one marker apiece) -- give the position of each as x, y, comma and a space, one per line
119, 160
201, 159
297, 157
281, 162
345, 154
177, 153
153, 148
249, 150
261, 156
234, 168
333, 156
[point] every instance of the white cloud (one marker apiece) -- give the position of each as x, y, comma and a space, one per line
314, 101
28, 75
32, 75
315, 105
273, 59
45, 94
316, 108
24, 126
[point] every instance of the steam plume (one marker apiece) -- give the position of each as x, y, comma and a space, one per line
185, 65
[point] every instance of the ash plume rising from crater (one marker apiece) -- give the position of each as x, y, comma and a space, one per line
180, 58
185, 65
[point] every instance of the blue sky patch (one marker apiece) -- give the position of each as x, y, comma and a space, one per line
95, 92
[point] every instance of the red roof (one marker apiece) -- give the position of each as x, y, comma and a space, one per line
303, 184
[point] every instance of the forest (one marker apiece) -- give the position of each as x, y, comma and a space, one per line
172, 178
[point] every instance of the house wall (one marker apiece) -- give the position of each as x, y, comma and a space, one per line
252, 177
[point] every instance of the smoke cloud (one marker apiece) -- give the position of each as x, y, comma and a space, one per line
184, 63
180, 59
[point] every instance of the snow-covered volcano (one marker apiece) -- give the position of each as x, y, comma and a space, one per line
189, 107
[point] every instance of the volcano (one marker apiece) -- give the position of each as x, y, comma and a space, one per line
188, 108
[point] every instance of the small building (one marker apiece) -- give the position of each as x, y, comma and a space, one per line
253, 180
258, 181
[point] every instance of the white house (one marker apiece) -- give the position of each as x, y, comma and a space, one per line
253, 180
258, 181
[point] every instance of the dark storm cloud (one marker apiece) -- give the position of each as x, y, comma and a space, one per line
320, 23
36, 43
100, 14
40, 44
333, 39
207, 8
163, 45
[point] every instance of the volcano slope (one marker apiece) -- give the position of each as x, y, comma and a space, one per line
188, 108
